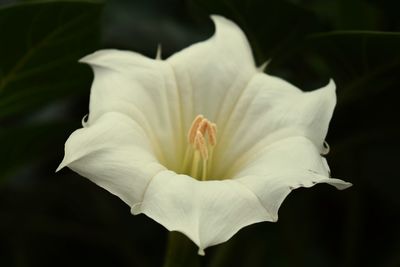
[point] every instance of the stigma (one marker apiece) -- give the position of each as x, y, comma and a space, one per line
201, 138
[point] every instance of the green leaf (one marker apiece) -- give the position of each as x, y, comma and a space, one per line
41, 43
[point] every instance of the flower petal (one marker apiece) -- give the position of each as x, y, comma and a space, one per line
283, 166
208, 212
114, 153
143, 89
211, 75
269, 110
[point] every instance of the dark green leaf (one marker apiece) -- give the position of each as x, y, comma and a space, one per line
40, 45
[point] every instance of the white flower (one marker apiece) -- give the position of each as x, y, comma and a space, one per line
203, 142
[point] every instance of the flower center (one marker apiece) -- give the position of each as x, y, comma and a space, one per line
202, 138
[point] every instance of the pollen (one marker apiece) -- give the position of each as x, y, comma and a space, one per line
202, 138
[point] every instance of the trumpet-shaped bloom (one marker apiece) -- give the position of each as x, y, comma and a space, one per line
203, 142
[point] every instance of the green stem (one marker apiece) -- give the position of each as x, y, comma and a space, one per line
181, 251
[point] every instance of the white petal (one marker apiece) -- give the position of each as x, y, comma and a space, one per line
208, 212
145, 90
269, 110
212, 75
114, 153
283, 166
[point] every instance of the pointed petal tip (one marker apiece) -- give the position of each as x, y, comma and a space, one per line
327, 94
338, 183
201, 252
62, 165
263, 66
221, 21
159, 52
216, 17
331, 84
65, 162
329, 87
86, 59
345, 185
93, 58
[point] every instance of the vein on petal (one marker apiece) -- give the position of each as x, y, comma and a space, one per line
227, 93
181, 120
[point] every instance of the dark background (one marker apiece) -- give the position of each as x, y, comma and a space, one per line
49, 219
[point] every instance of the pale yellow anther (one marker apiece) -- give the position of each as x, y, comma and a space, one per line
212, 134
202, 137
201, 145
193, 128
203, 125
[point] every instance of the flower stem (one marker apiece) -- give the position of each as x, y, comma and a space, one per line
181, 251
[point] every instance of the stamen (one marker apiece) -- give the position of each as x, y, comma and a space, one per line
195, 164
212, 134
204, 171
203, 126
194, 127
202, 138
200, 145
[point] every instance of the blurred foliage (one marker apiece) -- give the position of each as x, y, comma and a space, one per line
39, 48
64, 220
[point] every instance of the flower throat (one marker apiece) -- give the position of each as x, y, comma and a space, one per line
202, 138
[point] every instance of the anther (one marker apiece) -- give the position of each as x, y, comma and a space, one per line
200, 145
203, 125
212, 134
193, 128
202, 138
